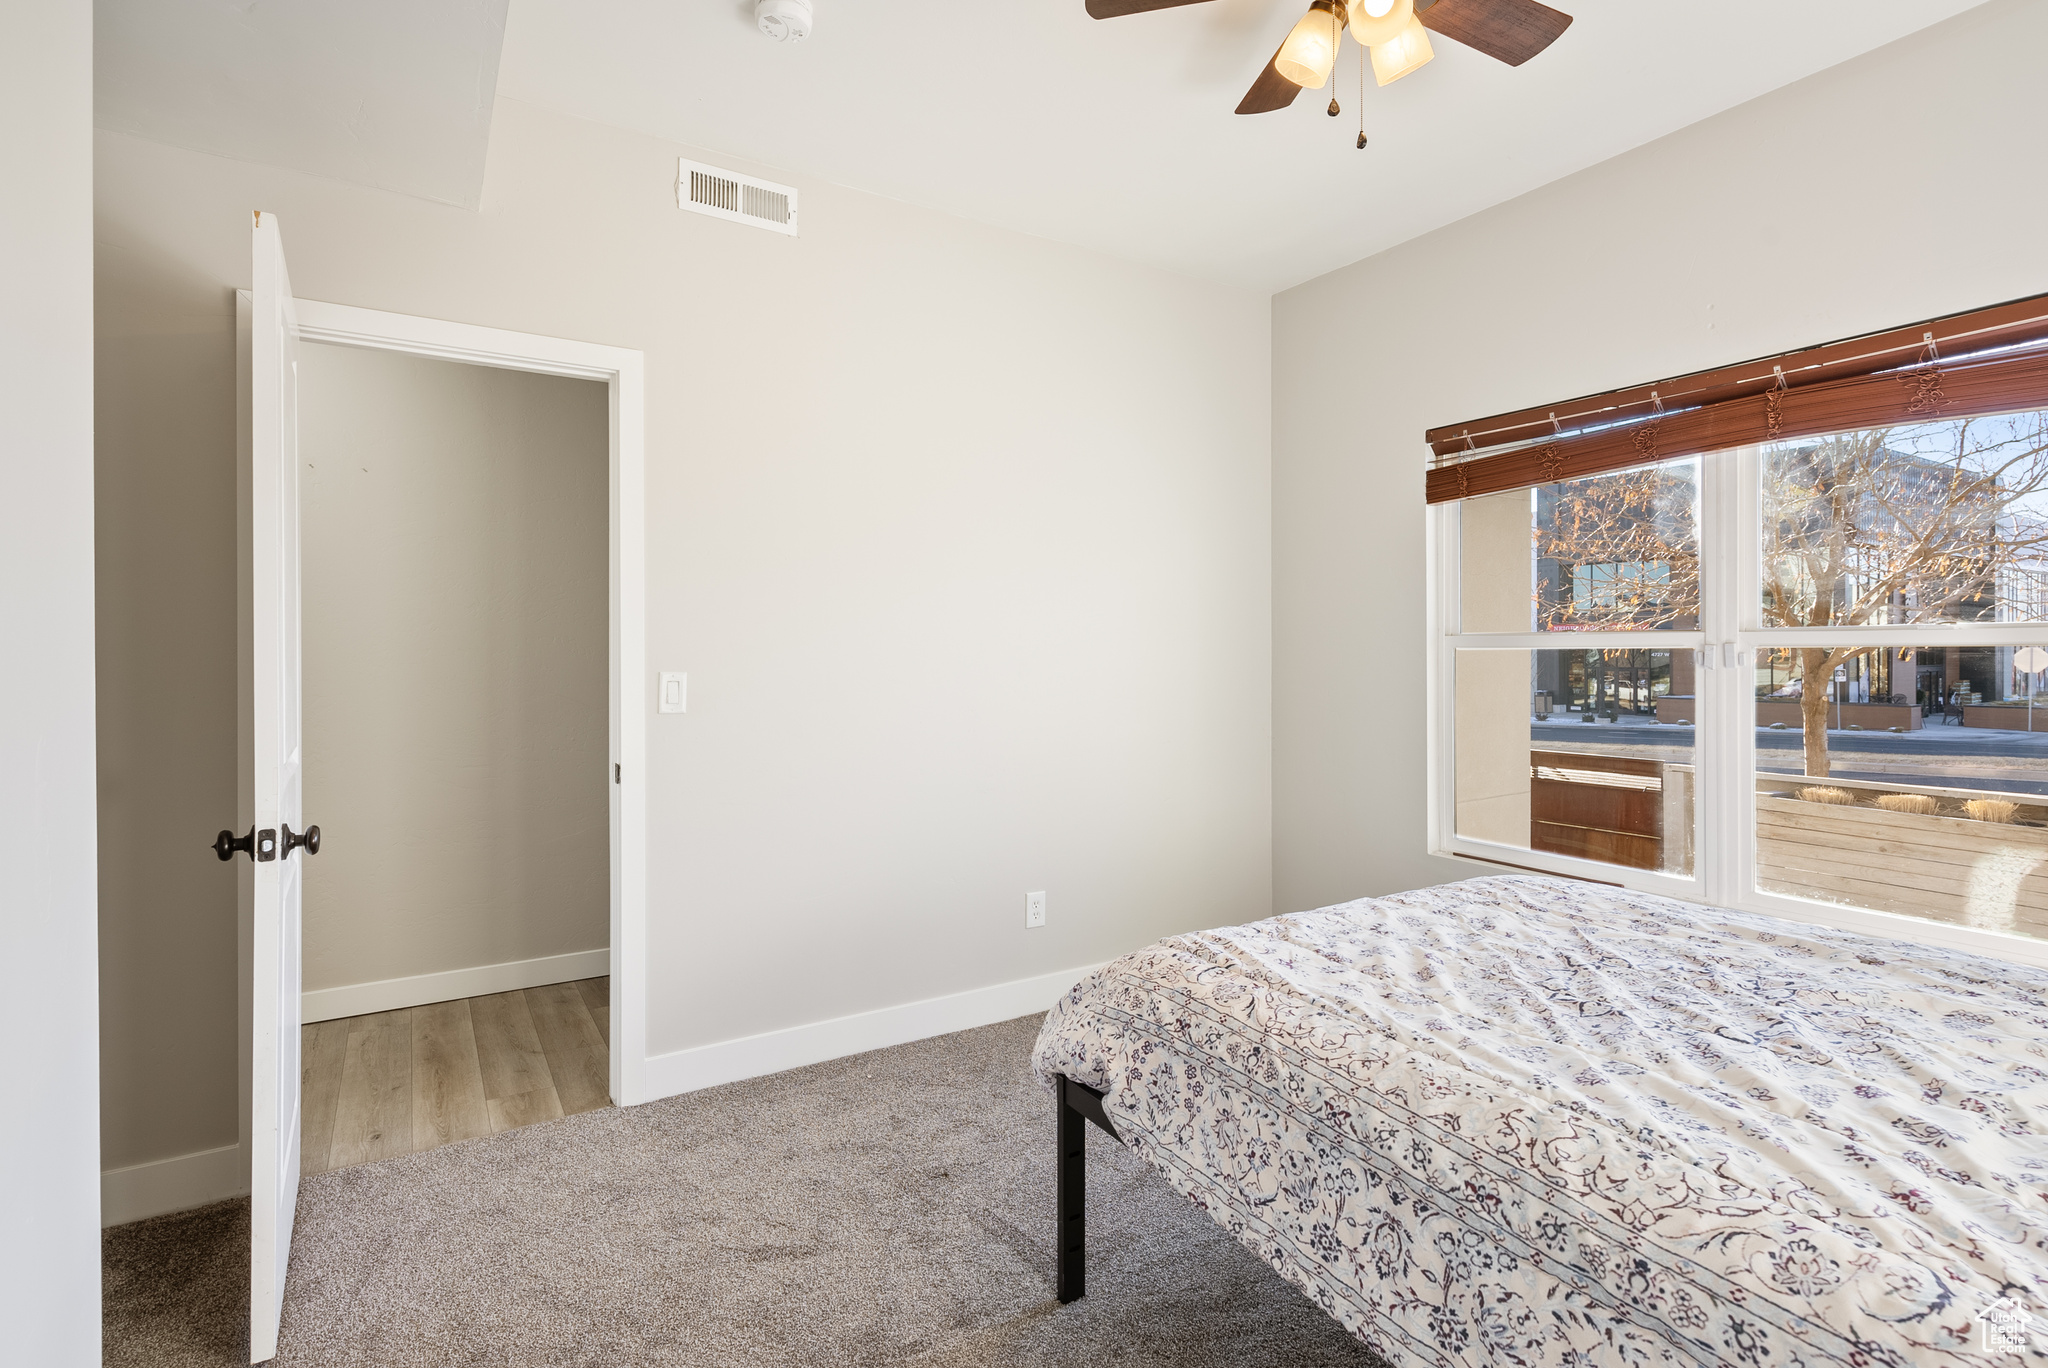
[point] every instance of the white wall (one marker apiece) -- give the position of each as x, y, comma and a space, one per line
455, 524
49, 1126
1895, 187
962, 536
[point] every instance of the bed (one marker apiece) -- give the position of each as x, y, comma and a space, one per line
1536, 1121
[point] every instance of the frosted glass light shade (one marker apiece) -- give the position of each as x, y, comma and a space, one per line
1311, 50
1406, 51
1371, 29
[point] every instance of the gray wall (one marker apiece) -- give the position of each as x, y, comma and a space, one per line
456, 588
963, 537
1895, 187
49, 1124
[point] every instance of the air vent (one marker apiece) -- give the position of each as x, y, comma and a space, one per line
725, 194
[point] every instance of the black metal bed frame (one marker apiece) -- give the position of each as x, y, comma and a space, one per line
1074, 1102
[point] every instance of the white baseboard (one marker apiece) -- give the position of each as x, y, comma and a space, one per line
728, 1061
388, 995
176, 1184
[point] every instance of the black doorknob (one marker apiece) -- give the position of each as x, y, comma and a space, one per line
309, 838
227, 843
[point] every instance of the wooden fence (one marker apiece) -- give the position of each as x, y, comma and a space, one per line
1952, 869
1612, 808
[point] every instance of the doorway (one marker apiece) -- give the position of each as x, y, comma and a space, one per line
453, 543
621, 1001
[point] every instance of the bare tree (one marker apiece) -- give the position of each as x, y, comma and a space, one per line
1619, 552
1624, 551
1896, 525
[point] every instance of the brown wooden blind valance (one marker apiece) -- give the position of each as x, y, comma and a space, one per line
2000, 364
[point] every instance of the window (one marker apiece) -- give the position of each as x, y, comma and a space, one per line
1797, 676
1636, 588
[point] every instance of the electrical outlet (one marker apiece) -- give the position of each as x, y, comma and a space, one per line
1034, 909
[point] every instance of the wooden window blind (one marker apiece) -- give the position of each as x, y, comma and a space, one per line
1965, 365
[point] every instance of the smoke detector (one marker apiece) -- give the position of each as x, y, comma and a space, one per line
786, 21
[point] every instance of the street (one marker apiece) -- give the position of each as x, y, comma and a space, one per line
1937, 756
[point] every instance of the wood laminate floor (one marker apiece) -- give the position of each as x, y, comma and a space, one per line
392, 1083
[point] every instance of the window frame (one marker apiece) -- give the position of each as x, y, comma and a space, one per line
1724, 751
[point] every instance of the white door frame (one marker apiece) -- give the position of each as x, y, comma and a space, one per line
622, 371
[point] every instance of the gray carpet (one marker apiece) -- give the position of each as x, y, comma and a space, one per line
889, 1208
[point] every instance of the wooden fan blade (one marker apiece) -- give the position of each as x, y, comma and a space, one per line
1512, 31
1110, 9
1270, 92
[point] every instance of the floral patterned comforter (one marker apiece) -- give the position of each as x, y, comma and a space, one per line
1532, 1121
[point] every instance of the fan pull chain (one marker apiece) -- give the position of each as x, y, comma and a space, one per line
1362, 54
1336, 50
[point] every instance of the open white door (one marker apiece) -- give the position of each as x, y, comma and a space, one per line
278, 846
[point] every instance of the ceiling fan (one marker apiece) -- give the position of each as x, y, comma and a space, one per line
1512, 31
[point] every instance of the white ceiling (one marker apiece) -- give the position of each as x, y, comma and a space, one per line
1119, 135
391, 93
1116, 135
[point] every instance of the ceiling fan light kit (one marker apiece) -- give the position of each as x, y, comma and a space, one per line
1373, 29
1395, 31
1310, 52
1401, 54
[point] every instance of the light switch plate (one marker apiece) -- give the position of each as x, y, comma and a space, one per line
674, 693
